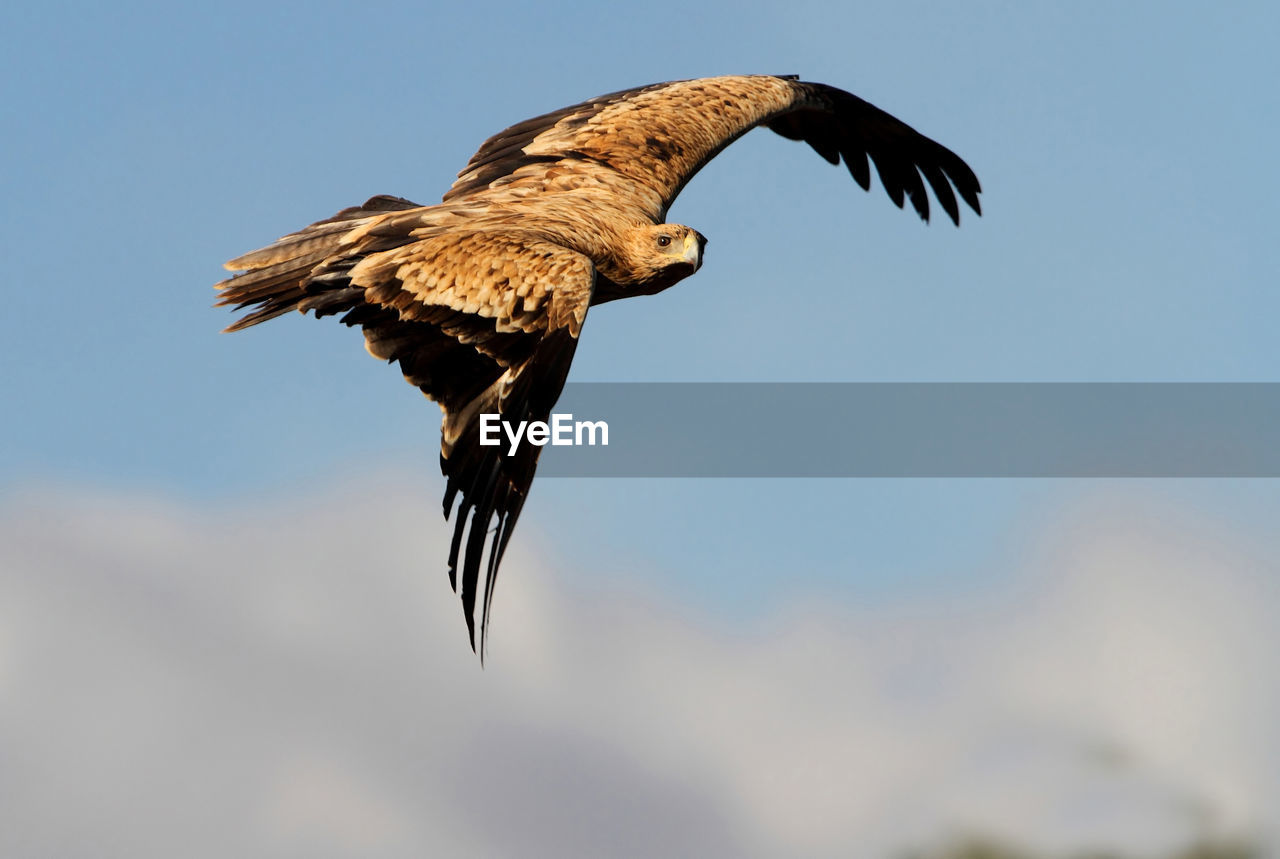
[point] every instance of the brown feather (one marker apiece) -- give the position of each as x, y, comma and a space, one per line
650, 141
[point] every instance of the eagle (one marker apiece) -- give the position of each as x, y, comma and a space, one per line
481, 298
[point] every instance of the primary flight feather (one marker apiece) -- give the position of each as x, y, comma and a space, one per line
481, 298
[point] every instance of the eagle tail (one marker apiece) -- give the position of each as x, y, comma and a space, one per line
274, 280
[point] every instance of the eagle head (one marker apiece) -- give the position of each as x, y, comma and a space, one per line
656, 256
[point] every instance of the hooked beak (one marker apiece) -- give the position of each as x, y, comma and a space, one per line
693, 243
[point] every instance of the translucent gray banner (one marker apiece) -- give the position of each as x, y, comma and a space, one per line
918, 430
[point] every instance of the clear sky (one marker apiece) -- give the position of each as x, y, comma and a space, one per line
1130, 197
1131, 200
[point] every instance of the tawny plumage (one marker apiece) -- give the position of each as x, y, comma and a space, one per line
481, 298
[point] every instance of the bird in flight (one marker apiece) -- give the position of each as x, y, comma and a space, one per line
481, 298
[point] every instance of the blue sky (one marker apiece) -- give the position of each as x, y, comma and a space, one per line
1131, 197
1130, 203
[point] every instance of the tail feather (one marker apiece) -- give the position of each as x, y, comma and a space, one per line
274, 279
272, 290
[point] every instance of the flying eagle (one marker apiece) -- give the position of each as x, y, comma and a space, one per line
481, 298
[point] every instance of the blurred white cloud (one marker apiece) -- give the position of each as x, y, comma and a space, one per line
291, 678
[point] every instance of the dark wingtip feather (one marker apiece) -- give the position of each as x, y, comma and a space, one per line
865, 135
455, 545
471, 566
915, 191
942, 190
855, 160
895, 190
969, 188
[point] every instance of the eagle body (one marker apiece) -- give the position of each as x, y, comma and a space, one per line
481, 298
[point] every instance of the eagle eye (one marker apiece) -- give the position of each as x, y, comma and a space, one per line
664, 240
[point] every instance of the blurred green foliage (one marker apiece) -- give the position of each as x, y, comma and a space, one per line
982, 848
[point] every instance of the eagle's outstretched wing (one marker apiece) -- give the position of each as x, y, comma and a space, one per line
484, 322
645, 144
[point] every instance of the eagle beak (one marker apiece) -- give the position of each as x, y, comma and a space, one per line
693, 250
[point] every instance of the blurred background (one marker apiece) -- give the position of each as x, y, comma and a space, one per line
225, 625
